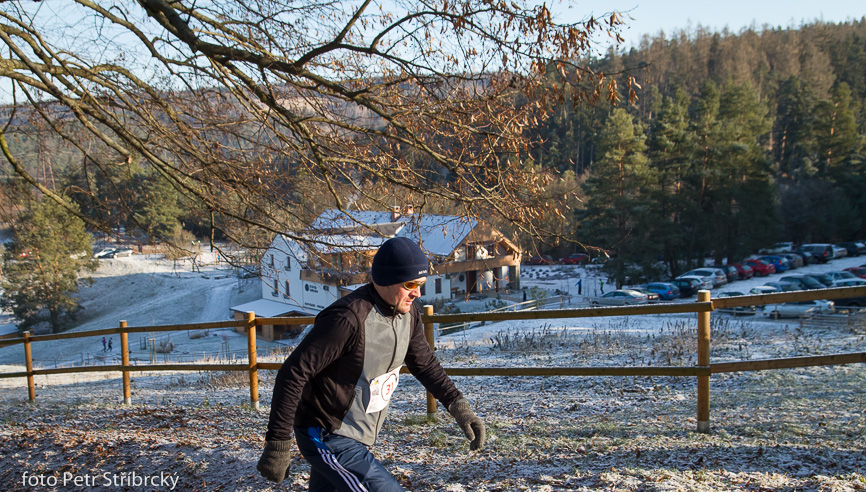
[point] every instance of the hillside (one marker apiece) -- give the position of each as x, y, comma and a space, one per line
800, 429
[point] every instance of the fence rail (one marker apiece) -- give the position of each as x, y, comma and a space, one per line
702, 370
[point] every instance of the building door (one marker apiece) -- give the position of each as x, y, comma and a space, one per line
472, 281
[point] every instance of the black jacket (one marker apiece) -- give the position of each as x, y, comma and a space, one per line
317, 383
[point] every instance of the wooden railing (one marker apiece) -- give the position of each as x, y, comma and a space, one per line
702, 370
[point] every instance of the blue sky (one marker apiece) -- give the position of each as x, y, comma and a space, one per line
652, 16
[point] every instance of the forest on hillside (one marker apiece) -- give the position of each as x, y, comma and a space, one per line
736, 141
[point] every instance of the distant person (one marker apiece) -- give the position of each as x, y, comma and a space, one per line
333, 391
109, 344
103, 344
601, 284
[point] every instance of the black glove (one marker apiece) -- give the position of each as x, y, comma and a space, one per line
275, 460
471, 425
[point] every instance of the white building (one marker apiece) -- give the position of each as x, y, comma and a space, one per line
302, 278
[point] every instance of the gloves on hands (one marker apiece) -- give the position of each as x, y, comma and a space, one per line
275, 460
471, 425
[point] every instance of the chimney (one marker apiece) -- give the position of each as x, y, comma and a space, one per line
395, 213
409, 210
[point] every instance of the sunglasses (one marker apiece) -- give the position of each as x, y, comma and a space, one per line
413, 284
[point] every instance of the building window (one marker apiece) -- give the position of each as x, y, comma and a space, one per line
286, 293
276, 290
424, 289
438, 283
326, 288
288, 263
272, 260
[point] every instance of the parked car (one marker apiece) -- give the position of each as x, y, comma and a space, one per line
804, 282
796, 261
575, 259
851, 301
621, 297
540, 260
784, 286
798, 309
854, 248
650, 295
857, 271
703, 282
688, 286
738, 310
120, 253
850, 282
822, 277
839, 251
666, 291
731, 273
764, 289
714, 275
822, 251
836, 276
761, 268
102, 253
808, 258
780, 263
783, 247
744, 271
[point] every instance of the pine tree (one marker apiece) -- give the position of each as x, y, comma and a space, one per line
157, 210
744, 216
671, 149
42, 273
618, 213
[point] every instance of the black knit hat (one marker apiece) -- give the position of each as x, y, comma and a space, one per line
398, 260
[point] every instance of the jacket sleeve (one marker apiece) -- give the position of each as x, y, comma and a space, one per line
423, 364
331, 336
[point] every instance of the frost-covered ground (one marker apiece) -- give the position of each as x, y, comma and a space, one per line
797, 429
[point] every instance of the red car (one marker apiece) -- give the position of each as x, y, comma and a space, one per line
540, 260
743, 271
575, 259
761, 268
859, 271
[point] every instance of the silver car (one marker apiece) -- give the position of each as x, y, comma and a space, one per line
623, 297
715, 275
799, 309
705, 283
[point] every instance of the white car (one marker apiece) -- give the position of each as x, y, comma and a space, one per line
799, 309
849, 282
102, 253
783, 247
764, 289
715, 275
706, 283
739, 310
843, 275
839, 252
120, 253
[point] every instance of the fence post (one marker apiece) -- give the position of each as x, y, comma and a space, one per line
704, 360
251, 350
124, 357
28, 363
428, 331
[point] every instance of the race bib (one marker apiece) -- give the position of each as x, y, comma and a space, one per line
381, 390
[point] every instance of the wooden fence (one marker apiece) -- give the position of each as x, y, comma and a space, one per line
702, 370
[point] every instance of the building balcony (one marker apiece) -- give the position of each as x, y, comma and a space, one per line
475, 265
332, 276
